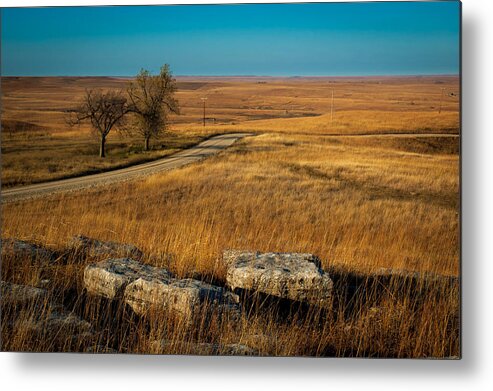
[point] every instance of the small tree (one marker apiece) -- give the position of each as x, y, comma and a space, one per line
104, 111
152, 99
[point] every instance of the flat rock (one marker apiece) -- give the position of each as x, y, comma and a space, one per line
230, 257
97, 248
181, 296
202, 348
23, 249
20, 295
145, 287
293, 276
109, 278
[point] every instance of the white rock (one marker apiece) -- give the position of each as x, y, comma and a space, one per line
293, 276
183, 297
110, 278
145, 287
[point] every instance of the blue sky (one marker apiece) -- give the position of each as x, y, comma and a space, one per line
332, 39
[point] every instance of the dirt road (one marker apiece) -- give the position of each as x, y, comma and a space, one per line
200, 151
204, 149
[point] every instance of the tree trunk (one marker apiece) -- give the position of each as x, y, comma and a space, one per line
101, 147
146, 144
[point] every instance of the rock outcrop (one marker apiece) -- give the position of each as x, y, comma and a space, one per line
109, 278
145, 288
97, 248
184, 297
14, 295
293, 276
26, 250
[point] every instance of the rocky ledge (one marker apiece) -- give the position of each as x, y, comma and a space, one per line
293, 276
148, 289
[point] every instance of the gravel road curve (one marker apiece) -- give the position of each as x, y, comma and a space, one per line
198, 152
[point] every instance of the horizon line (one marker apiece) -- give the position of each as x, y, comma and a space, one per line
261, 76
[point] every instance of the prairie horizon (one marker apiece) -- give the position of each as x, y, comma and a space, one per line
233, 104
239, 76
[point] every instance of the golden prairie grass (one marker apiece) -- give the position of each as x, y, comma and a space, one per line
346, 122
360, 203
42, 101
37, 144
363, 206
398, 321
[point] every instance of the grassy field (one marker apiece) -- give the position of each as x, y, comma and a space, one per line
45, 158
355, 203
38, 145
360, 203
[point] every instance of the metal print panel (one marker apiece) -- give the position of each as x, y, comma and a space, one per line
254, 180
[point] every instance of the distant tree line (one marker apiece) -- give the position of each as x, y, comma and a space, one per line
147, 103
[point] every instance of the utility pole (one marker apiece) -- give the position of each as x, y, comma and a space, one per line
332, 107
441, 99
203, 100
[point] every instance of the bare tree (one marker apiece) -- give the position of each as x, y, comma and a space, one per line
104, 111
151, 100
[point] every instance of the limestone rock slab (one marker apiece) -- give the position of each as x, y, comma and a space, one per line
293, 276
109, 278
183, 296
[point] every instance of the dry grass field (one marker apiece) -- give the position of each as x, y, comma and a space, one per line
361, 203
38, 145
